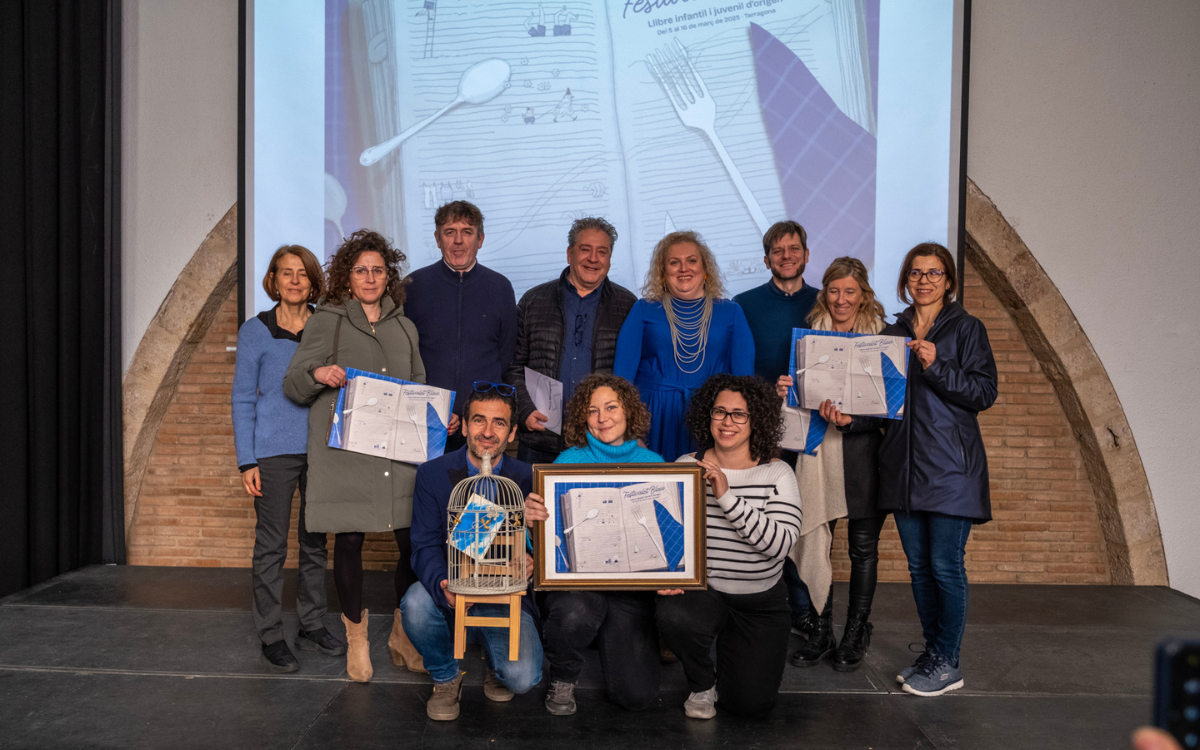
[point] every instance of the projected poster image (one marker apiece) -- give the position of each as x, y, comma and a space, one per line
720, 117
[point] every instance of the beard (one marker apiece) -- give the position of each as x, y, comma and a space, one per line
799, 272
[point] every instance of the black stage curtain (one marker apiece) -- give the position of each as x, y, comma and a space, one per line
61, 504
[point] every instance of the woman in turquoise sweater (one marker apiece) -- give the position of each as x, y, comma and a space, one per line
602, 425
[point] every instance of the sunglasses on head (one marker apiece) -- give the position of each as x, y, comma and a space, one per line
483, 386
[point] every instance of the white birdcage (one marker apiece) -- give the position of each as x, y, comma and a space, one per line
486, 535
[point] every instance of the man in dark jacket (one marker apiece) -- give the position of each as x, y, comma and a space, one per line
428, 607
567, 329
465, 313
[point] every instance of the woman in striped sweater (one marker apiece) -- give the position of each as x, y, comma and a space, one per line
753, 521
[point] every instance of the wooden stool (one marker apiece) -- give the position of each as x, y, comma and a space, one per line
513, 622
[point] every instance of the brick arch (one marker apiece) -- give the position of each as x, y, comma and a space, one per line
1111, 459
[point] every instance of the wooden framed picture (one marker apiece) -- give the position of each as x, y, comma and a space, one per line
626, 527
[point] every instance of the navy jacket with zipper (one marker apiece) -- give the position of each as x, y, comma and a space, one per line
466, 325
933, 459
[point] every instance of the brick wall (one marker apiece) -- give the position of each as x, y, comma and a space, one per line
1045, 527
193, 510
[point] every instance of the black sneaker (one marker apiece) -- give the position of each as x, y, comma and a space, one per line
320, 640
560, 698
279, 658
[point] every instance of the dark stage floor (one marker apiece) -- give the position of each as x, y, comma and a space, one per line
121, 657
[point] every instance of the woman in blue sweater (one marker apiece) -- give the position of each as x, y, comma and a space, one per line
270, 432
678, 335
602, 424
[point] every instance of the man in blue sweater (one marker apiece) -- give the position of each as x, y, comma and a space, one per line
428, 608
781, 304
465, 313
772, 311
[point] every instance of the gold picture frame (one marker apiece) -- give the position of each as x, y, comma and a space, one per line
620, 527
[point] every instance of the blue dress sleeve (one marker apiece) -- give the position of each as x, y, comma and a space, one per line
629, 343
244, 395
741, 358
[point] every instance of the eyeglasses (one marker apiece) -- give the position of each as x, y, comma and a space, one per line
360, 272
738, 417
483, 386
580, 319
935, 274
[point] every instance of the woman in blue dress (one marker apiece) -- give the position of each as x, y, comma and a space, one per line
679, 334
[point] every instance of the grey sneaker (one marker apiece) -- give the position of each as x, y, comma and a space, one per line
443, 704
560, 699
907, 672
494, 689
702, 705
935, 677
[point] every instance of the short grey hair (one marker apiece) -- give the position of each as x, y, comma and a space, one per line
591, 222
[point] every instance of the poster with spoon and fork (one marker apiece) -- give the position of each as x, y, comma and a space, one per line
629, 527
861, 374
390, 417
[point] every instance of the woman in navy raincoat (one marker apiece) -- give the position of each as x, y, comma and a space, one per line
932, 465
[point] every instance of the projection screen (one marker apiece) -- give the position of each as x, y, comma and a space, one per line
712, 115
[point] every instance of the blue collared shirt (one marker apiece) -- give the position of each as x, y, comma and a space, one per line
579, 316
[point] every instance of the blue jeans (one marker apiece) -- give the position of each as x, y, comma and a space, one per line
935, 545
799, 601
429, 627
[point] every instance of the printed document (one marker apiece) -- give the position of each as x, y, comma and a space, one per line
615, 529
851, 372
547, 395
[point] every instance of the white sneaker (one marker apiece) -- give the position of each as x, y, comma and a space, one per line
702, 705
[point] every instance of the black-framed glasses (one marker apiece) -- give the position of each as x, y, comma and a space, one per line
935, 274
483, 386
580, 319
738, 417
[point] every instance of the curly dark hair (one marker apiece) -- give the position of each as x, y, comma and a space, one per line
339, 266
764, 406
637, 416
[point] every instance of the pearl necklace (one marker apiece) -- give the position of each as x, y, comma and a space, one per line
689, 330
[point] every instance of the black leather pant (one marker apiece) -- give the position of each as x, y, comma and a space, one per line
863, 538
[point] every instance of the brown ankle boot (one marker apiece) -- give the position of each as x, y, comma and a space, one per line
404, 654
358, 649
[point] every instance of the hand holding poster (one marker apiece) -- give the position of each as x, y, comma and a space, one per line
391, 418
859, 373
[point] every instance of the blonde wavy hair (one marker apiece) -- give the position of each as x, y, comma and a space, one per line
870, 318
655, 287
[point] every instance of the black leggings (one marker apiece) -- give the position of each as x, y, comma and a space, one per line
863, 538
348, 570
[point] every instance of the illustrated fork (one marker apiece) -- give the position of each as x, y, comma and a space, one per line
641, 519
674, 71
865, 361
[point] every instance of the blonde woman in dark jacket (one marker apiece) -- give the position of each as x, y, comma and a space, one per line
839, 478
349, 493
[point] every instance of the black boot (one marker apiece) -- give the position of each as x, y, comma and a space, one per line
855, 641
805, 624
820, 643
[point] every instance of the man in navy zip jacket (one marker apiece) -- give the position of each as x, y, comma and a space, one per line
427, 607
465, 313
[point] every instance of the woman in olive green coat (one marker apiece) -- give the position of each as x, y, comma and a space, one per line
349, 493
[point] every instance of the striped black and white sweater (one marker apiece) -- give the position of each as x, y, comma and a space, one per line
752, 527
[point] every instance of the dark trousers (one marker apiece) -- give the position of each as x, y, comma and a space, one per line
862, 536
622, 623
348, 570
751, 631
534, 456
273, 511
935, 546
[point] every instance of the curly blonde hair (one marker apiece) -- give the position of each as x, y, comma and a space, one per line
655, 287
575, 427
870, 317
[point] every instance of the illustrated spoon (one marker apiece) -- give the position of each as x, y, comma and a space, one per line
370, 402
824, 358
590, 515
479, 83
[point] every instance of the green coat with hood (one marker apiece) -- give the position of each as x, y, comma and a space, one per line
352, 491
